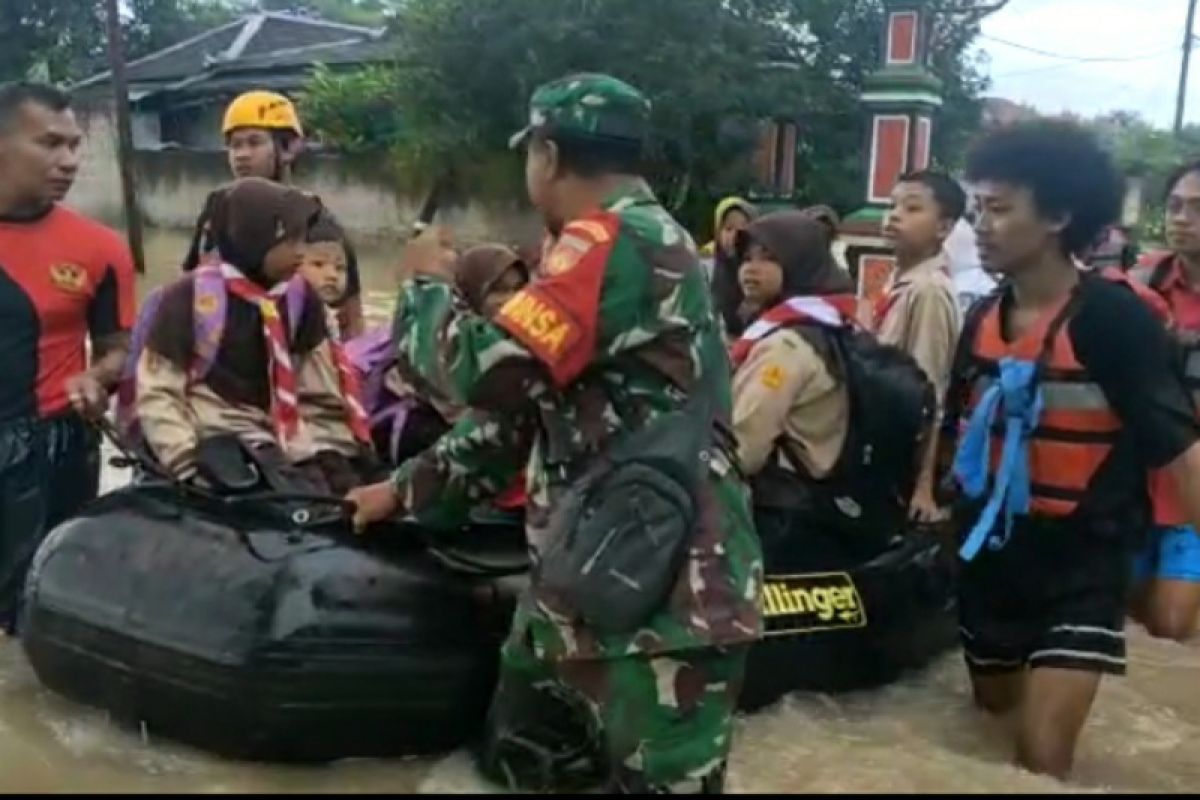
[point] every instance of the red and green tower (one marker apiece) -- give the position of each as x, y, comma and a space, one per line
900, 99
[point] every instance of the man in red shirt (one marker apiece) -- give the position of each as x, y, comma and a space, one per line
1168, 601
64, 281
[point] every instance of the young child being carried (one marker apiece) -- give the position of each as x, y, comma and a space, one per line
407, 416
324, 263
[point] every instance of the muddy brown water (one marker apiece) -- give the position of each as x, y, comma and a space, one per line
919, 735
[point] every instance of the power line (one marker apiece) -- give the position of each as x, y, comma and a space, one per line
1075, 58
1074, 64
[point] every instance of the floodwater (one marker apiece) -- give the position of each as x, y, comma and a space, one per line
918, 736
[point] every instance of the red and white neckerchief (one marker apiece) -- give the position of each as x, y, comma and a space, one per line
834, 311
285, 410
351, 388
349, 382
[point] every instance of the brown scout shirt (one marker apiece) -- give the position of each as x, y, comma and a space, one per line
923, 319
176, 412
784, 389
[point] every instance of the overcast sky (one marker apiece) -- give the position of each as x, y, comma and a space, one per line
1148, 34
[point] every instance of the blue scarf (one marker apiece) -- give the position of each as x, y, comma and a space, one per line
1022, 402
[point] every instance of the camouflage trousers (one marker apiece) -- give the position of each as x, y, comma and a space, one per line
640, 724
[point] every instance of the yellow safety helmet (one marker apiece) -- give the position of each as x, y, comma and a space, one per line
260, 109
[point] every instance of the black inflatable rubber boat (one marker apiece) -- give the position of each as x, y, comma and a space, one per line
267, 639
254, 629
859, 628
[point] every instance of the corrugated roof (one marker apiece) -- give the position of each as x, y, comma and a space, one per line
346, 52
254, 38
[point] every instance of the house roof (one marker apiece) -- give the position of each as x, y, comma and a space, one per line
258, 41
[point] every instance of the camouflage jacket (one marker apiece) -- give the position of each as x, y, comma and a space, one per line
612, 333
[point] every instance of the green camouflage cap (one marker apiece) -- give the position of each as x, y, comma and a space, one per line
588, 106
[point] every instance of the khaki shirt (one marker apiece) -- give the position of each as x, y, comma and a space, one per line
924, 319
176, 413
784, 389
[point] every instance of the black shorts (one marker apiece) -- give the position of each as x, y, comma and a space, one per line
1046, 602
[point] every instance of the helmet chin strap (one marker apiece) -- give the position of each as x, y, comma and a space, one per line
277, 175
280, 166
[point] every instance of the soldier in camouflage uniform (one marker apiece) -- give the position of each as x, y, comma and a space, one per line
614, 331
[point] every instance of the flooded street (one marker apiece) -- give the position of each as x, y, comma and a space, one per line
918, 736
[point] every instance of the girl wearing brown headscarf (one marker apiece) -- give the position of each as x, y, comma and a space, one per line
791, 408
783, 387
488, 275
271, 380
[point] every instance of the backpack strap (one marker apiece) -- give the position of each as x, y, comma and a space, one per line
295, 296
210, 305
127, 388
1162, 271
964, 355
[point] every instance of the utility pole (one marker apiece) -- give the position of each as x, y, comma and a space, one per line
116, 60
1188, 38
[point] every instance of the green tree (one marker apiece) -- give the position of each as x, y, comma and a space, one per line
64, 40
1149, 153
715, 70
358, 110
151, 25
57, 39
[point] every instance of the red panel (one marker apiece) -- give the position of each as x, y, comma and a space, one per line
764, 159
787, 167
889, 155
902, 37
921, 151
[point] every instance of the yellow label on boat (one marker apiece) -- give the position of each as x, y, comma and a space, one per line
810, 603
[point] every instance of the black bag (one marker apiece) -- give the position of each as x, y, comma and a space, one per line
892, 404
623, 527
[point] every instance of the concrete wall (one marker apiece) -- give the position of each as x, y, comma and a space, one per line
172, 186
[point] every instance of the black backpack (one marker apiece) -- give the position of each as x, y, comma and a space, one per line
892, 404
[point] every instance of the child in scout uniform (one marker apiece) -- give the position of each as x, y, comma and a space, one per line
238, 347
323, 264
919, 310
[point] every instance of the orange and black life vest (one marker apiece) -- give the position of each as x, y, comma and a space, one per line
1076, 430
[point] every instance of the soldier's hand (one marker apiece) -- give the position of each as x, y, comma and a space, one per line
372, 504
428, 255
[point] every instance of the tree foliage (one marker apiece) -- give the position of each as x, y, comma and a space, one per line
151, 25
64, 40
357, 110
54, 40
715, 70
1149, 153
